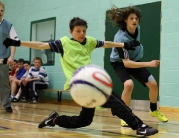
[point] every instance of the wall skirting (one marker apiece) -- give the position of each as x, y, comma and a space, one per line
169, 110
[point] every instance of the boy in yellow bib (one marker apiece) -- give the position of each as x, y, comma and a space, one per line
74, 53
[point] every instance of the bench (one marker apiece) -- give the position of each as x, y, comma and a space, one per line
59, 92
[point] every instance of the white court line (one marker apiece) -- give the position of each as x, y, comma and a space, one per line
53, 132
107, 125
46, 132
170, 133
89, 134
19, 121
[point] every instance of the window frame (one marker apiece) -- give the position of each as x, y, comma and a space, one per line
38, 21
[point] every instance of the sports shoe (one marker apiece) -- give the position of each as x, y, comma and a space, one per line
9, 110
124, 124
161, 117
146, 131
15, 100
33, 101
11, 98
49, 121
23, 99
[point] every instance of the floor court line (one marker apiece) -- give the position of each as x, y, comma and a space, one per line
19, 121
88, 133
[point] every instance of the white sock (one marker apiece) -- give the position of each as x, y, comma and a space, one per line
12, 96
17, 96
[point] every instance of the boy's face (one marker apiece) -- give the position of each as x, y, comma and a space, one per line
132, 21
26, 66
20, 65
1, 12
37, 64
13, 65
78, 33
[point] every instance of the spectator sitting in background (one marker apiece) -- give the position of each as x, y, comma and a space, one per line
36, 79
13, 68
20, 71
16, 83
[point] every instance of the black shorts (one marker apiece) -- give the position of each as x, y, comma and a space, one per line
140, 74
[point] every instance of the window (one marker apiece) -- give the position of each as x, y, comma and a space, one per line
44, 31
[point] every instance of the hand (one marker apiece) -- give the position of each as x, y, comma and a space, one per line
10, 42
131, 44
10, 60
154, 63
25, 81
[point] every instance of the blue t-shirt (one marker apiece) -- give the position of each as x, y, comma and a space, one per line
20, 73
134, 55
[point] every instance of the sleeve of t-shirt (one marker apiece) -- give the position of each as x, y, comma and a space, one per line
13, 34
29, 74
99, 43
42, 73
21, 74
56, 46
93, 43
25, 75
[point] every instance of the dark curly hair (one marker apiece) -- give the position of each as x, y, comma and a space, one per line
118, 16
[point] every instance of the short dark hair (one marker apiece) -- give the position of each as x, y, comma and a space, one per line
76, 21
20, 60
27, 62
15, 60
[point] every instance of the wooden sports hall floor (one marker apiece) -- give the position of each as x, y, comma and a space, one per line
23, 123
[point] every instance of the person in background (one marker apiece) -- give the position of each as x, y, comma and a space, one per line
6, 58
15, 85
36, 79
14, 80
19, 71
13, 68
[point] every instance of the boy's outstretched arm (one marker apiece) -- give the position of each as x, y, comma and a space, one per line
31, 44
35, 45
127, 45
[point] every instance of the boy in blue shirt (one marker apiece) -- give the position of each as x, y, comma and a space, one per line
126, 63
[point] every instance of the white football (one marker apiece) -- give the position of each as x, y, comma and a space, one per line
90, 86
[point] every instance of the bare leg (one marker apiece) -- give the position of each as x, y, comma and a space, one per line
126, 94
14, 85
153, 91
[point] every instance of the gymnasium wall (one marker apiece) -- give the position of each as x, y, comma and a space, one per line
22, 12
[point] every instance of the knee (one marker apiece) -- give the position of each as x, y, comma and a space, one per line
128, 86
153, 85
87, 121
86, 116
